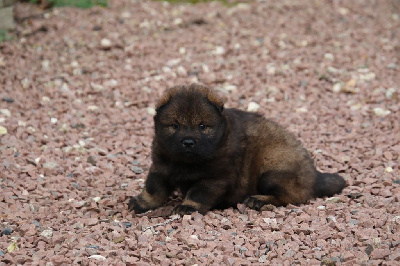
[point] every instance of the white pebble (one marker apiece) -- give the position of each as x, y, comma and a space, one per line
126, 14
45, 64
329, 56
5, 112
74, 64
3, 130
337, 87
182, 50
45, 99
253, 107
54, 120
96, 199
389, 169
219, 50
47, 233
381, 112
178, 21
389, 93
151, 111
182, 71
301, 110
97, 257
173, 62
92, 108
21, 123
105, 43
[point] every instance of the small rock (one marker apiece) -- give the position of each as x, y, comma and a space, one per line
379, 254
137, 169
92, 221
92, 249
343, 11
47, 233
369, 249
45, 99
92, 108
6, 231
388, 169
333, 200
253, 107
96, 199
53, 120
230, 87
263, 258
36, 223
50, 165
119, 239
12, 247
7, 99
381, 112
337, 87
92, 160
45, 64
97, 257
151, 111
329, 56
301, 110
111, 83
391, 93
3, 130
127, 224
395, 256
5, 112
126, 14
353, 222
1, 253
331, 218
182, 71
93, 246
178, 21
105, 44
173, 62
219, 50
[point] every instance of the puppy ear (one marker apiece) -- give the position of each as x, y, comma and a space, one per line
210, 94
214, 98
166, 97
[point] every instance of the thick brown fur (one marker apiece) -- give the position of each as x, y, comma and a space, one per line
220, 157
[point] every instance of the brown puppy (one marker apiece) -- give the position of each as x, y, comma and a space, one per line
219, 157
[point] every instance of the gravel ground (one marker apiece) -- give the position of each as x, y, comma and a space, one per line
78, 89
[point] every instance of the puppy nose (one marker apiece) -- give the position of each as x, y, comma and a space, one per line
188, 143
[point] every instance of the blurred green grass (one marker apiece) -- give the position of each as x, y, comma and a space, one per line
4, 36
76, 3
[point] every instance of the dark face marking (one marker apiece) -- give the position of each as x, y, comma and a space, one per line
189, 126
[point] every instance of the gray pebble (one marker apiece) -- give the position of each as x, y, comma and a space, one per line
6, 231
137, 169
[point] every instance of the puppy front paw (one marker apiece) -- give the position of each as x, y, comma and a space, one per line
135, 204
183, 209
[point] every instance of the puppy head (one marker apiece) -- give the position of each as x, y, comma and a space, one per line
189, 124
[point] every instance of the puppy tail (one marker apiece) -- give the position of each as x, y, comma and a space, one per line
328, 184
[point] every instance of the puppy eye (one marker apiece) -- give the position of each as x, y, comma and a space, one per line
202, 127
175, 126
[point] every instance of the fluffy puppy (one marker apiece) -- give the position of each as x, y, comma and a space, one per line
220, 157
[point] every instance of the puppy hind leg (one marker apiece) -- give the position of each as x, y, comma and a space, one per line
279, 188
